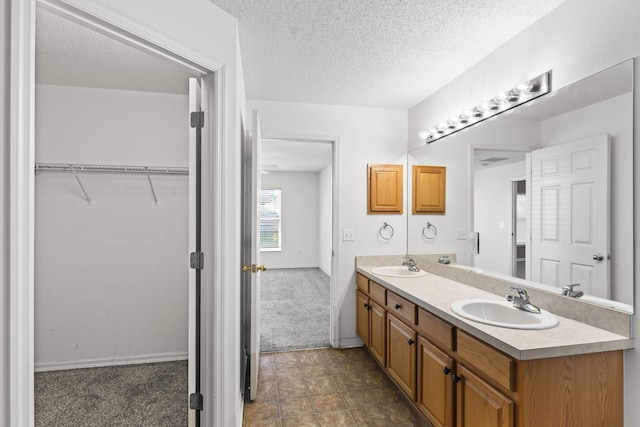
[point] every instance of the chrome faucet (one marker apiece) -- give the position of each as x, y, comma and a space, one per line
521, 300
411, 264
444, 260
569, 291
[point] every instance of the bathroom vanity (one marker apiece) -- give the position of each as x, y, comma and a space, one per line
464, 373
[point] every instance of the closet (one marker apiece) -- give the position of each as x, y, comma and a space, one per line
111, 202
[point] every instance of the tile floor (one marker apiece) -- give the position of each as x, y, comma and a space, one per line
327, 387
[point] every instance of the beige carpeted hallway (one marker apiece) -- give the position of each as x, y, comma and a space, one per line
295, 309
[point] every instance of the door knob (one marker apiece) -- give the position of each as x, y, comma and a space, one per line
253, 268
598, 257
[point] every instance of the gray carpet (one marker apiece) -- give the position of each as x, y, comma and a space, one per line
153, 394
294, 309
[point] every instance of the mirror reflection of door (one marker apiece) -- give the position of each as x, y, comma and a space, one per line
570, 201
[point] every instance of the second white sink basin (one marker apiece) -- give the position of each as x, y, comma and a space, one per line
396, 271
465, 267
502, 313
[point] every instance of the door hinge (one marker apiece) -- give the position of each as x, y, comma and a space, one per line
196, 401
197, 119
196, 260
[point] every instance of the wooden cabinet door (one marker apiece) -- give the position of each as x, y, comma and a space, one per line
385, 189
362, 317
401, 355
429, 189
435, 386
377, 332
481, 405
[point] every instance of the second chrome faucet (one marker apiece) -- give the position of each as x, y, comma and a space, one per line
411, 264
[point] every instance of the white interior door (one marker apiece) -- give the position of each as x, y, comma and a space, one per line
570, 215
256, 267
251, 253
195, 105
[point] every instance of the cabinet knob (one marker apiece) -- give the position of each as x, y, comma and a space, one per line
446, 370
411, 342
397, 306
455, 378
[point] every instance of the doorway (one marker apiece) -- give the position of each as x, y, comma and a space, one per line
296, 231
519, 220
112, 229
22, 178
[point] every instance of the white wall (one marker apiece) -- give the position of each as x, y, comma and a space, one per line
492, 192
300, 218
576, 39
325, 238
111, 277
364, 135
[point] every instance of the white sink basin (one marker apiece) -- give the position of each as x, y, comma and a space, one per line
396, 271
502, 313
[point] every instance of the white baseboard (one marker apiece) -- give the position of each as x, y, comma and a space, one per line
287, 267
351, 342
114, 361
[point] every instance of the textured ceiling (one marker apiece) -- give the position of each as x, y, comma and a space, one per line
376, 53
70, 54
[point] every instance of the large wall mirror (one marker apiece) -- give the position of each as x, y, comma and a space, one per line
542, 193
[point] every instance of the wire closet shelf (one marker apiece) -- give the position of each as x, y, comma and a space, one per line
142, 170
155, 170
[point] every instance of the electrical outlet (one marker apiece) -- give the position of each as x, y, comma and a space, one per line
461, 233
347, 235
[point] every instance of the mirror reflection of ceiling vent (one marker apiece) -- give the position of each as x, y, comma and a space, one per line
493, 159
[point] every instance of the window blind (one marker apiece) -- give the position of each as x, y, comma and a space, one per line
270, 219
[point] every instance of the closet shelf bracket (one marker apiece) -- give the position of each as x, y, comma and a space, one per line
153, 191
86, 196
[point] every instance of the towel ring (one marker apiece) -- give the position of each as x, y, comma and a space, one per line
384, 227
427, 228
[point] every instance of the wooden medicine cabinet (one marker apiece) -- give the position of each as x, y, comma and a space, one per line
384, 193
429, 189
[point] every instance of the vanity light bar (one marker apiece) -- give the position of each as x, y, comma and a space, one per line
521, 94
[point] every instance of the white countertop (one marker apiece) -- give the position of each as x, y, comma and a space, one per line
436, 294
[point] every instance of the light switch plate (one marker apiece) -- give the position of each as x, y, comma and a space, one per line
461, 233
348, 235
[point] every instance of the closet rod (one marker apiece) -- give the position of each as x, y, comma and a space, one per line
155, 170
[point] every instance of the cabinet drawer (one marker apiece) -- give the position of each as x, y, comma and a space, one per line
436, 330
401, 307
377, 292
488, 361
363, 283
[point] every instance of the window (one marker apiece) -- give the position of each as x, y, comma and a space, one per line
270, 221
